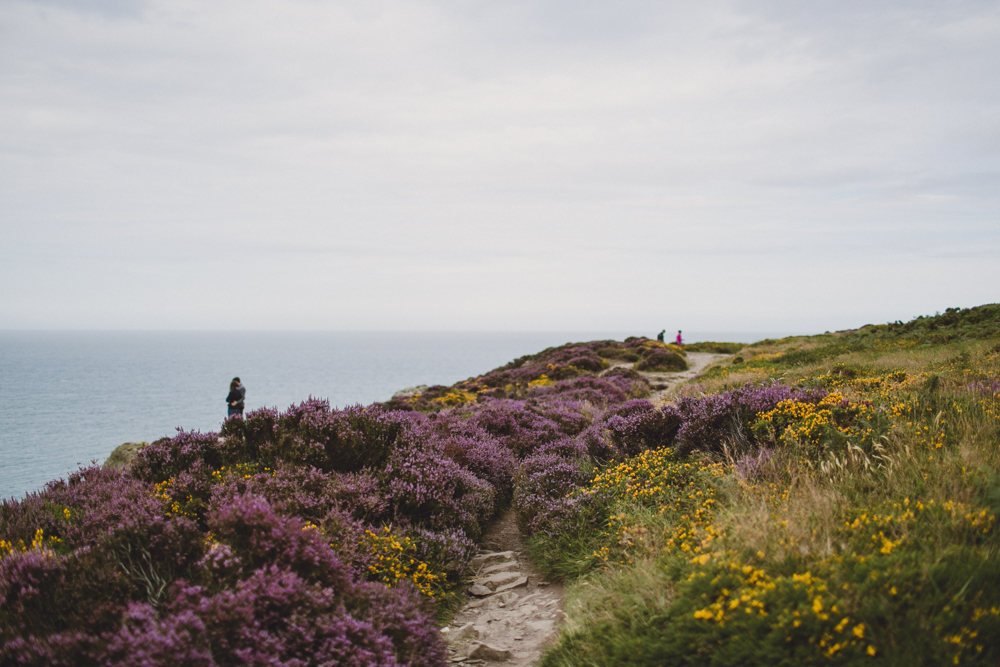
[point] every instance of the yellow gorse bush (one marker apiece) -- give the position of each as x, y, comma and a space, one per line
393, 561
38, 543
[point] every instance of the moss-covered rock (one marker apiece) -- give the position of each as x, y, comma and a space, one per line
123, 454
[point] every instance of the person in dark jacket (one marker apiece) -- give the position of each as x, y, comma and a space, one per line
236, 398
659, 336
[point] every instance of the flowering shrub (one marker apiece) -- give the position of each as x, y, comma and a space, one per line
517, 427
394, 559
601, 391
543, 478
708, 422
427, 488
827, 423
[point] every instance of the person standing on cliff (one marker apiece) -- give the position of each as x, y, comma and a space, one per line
236, 398
679, 341
659, 336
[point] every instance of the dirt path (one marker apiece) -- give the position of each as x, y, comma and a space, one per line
663, 383
514, 612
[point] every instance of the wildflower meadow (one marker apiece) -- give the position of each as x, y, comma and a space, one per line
813, 500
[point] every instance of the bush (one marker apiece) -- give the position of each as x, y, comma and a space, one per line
661, 360
544, 478
425, 487
711, 423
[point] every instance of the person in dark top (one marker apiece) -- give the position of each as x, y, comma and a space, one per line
236, 398
659, 336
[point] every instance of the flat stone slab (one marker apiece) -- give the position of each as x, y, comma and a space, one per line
501, 567
521, 581
499, 579
491, 653
466, 631
486, 559
479, 590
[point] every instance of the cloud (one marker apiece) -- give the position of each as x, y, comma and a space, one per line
499, 164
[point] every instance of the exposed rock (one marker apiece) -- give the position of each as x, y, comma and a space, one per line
517, 583
123, 454
499, 579
410, 391
487, 652
486, 559
502, 567
465, 632
479, 590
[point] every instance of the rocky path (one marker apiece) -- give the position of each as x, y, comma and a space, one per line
514, 612
664, 382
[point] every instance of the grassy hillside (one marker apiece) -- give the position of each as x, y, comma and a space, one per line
853, 522
815, 500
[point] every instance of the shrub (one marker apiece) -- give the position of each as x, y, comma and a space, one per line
598, 391
710, 422
519, 429
425, 487
168, 457
544, 478
661, 360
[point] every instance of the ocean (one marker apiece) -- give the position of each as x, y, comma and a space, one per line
68, 398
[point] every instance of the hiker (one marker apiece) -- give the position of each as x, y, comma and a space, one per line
236, 398
679, 341
659, 336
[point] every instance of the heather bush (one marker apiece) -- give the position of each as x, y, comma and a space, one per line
311, 434
485, 457
600, 392
710, 423
261, 538
517, 427
635, 384
571, 416
629, 429
168, 457
425, 487
655, 359
557, 363
544, 478
276, 617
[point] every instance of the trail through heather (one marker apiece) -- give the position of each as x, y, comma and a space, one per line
665, 382
514, 612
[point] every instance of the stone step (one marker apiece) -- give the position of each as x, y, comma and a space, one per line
489, 558
501, 567
499, 579
521, 581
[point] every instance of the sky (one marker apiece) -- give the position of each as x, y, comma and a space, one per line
563, 165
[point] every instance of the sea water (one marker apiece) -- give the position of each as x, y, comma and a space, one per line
68, 398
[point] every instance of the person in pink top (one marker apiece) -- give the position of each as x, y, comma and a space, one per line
679, 341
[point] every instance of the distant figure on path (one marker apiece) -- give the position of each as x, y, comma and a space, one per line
237, 396
679, 341
659, 336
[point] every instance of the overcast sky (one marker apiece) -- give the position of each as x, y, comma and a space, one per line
462, 165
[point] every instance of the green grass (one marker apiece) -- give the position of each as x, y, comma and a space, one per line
882, 550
